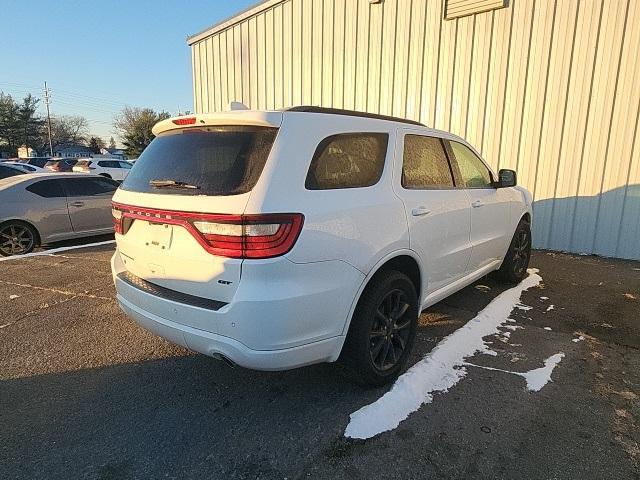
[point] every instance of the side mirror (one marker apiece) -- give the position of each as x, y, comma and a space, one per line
508, 178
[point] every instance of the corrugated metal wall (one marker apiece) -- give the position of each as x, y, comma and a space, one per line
550, 88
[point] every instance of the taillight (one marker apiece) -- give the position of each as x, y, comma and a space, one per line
117, 219
234, 236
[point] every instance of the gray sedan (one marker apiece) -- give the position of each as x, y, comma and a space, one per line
41, 208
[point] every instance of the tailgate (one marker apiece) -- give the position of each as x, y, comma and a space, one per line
169, 255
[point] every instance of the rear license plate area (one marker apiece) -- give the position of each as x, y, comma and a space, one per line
159, 235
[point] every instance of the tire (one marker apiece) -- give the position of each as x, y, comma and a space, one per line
515, 263
105, 175
382, 330
17, 238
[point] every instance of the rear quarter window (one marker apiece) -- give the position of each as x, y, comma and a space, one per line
47, 189
348, 160
214, 161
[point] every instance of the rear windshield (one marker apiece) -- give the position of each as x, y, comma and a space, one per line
202, 161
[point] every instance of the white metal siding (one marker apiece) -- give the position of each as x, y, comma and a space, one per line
547, 87
461, 8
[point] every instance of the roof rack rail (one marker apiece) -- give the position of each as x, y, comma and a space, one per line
352, 113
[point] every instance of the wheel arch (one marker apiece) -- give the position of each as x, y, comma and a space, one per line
405, 261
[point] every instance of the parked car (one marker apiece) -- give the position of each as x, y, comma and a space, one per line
41, 208
36, 161
7, 170
60, 164
116, 169
25, 167
285, 238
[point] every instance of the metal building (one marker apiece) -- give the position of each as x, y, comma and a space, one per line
548, 87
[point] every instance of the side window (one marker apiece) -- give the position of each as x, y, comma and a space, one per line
349, 160
86, 187
473, 171
125, 165
425, 164
6, 172
47, 189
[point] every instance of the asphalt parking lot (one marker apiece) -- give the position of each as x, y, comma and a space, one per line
85, 393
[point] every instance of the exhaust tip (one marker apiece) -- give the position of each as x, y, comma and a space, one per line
219, 356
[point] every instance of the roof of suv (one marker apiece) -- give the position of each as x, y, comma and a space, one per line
266, 118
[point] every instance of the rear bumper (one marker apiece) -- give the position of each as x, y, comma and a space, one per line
270, 325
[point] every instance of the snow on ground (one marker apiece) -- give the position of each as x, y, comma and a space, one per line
579, 339
536, 378
547, 328
441, 369
56, 250
550, 307
11, 297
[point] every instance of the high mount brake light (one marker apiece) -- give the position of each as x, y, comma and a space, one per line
234, 236
185, 121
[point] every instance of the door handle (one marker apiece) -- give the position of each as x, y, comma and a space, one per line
419, 211
77, 204
477, 203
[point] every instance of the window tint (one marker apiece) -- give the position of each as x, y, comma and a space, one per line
85, 187
126, 165
347, 160
47, 188
425, 163
217, 160
6, 172
473, 171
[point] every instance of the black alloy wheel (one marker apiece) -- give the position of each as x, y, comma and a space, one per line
16, 239
516, 261
382, 330
390, 330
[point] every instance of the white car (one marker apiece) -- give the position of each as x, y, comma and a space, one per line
277, 239
115, 169
25, 167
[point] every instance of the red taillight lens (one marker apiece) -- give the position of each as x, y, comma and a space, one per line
185, 121
233, 236
117, 219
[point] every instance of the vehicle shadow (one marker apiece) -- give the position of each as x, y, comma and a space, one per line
193, 416
77, 242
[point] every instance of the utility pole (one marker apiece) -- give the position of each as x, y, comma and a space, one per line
47, 100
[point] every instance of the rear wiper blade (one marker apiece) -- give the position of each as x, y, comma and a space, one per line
172, 184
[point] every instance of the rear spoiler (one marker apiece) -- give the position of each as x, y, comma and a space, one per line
236, 117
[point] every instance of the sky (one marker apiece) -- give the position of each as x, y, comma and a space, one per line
99, 56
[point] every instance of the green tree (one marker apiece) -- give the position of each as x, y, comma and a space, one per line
30, 123
134, 126
19, 123
96, 144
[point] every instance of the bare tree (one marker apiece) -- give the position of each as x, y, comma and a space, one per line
69, 130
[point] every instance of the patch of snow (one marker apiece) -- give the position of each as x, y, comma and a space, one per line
53, 251
520, 306
11, 297
547, 328
536, 378
513, 327
579, 339
544, 298
506, 334
440, 370
630, 296
549, 308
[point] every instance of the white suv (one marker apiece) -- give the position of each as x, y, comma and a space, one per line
276, 239
114, 168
